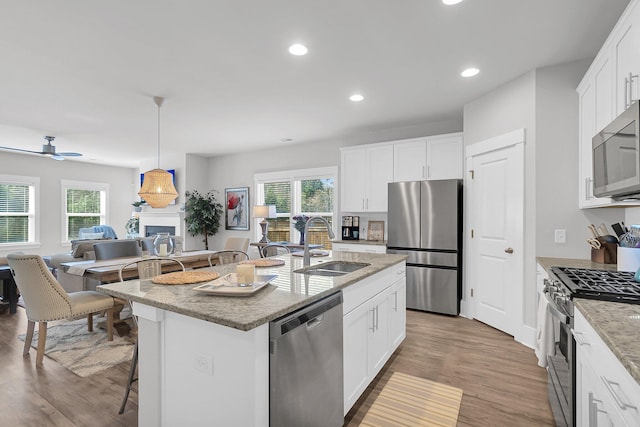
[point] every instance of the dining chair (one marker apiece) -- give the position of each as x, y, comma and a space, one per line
227, 257
147, 269
237, 244
46, 300
274, 250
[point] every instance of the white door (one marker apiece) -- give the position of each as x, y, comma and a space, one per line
497, 197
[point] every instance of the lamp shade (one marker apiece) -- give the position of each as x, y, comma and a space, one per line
157, 188
264, 211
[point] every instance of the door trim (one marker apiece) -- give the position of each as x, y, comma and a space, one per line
468, 305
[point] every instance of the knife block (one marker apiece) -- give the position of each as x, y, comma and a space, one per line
607, 254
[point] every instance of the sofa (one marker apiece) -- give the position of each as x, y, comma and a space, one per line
83, 250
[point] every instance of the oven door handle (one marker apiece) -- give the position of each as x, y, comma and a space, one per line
565, 319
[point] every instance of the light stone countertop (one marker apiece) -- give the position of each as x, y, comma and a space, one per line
618, 324
363, 242
287, 293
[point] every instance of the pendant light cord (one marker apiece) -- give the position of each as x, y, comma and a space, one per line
158, 100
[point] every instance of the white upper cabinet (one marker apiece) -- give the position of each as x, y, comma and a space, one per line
410, 160
607, 87
626, 56
444, 156
365, 173
433, 157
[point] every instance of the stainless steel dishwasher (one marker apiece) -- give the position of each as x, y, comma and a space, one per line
305, 366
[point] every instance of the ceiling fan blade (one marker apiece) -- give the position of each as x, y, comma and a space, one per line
69, 154
19, 149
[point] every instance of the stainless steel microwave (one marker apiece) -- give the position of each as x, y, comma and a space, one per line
616, 157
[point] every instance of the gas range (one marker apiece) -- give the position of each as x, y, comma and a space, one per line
606, 285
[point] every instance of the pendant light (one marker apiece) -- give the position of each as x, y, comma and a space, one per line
157, 186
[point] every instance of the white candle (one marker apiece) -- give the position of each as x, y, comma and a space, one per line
163, 249
245, 273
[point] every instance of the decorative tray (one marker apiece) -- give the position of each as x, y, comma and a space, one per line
228, 285
312, 252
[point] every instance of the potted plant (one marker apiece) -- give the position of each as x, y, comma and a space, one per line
137, 206
299, 222
202, 214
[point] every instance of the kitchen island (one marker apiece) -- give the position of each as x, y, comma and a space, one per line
204, 359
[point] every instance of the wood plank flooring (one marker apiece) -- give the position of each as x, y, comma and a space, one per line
503, 386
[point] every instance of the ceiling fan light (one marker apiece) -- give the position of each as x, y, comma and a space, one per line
157, 188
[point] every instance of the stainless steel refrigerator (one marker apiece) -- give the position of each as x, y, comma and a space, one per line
425, 223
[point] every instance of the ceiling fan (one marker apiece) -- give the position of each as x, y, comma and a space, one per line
47, 150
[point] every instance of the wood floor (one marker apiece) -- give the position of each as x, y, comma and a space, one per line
502, 384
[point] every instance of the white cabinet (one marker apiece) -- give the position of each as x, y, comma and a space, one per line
433, 157
365, 173
410, 160
606, 394
444, 156
373, 327
626, 57
398, 311
359, 247
603, 93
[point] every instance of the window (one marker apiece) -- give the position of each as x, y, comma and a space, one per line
309, 192
84, 205
18, 209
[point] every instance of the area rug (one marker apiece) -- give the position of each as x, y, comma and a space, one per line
411, 401
84, 353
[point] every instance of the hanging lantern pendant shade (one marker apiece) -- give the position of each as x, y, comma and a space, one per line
157, 186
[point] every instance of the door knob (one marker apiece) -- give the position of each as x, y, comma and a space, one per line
509, 250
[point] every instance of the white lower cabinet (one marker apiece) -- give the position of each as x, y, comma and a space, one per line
397, 313
371, 313
606, 394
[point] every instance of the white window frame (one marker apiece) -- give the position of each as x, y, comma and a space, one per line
83, 185
33, 214
294, 176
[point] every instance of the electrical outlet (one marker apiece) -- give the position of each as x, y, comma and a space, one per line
561, 236
203, 363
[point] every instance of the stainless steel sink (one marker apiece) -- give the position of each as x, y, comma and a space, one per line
333, 268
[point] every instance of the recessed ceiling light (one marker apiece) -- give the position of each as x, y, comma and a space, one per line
298, 49
286, 140
356, 97
451, 2
470, 72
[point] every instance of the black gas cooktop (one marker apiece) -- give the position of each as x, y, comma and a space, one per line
606, 285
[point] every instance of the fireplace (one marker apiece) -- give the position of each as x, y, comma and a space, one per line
152, 223
152, 230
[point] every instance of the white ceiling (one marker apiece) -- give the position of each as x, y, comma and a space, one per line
86, 71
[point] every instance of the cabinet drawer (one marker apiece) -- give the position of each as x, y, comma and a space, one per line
620, 386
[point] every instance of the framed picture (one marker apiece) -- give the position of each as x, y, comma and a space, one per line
237, 208
375, 230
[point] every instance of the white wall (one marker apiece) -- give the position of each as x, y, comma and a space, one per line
237, 170
557, 166
121, 193
543, 102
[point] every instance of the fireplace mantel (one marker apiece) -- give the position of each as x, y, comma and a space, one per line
166, 219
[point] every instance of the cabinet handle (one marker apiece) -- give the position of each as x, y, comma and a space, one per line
593, 409
367, 203
395, 297
423, 172
587, 189
626, 92
578, 337
608, 384
373, 320
363, 203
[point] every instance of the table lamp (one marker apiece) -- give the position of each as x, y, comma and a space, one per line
264, 212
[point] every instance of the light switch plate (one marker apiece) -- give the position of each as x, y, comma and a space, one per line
203, 363
561, 236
